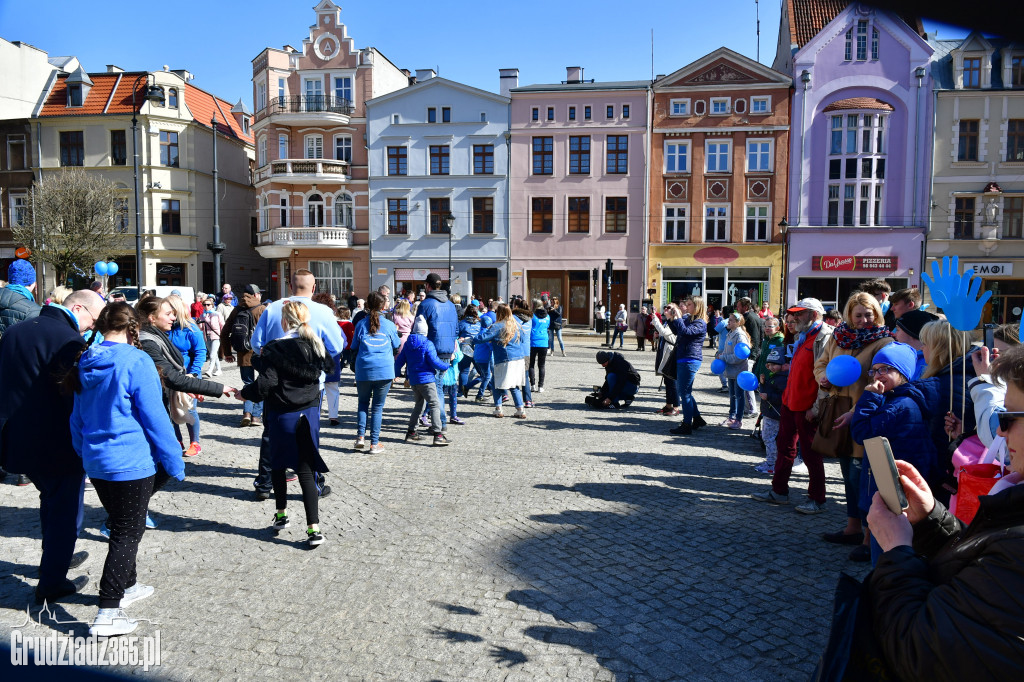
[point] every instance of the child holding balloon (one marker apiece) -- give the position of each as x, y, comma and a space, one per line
734, 353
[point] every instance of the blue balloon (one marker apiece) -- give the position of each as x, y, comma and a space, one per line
112, 268
100, 267
717, 366
721, 327
843, 370
743, 352
747, 381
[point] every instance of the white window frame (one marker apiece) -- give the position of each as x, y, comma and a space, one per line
261, 95
759, 153
310, 221
337, 285
261, 158
676, 219
282, 90
754, 101
18, 204
311, 145
282, 206
707, 155
313, 87
718, 219
340, 138
13, 140
683, 107
725, 102
335, 88
344, 210
685, 144
264, 213
766, 218
282, 146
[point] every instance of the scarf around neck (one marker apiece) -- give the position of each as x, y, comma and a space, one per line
849, 338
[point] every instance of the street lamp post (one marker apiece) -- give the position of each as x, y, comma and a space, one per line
784, 228
217, 247
449, 221
153, 94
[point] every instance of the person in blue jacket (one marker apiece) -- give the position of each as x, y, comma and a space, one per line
117, 391
419, 354
375, 343
482, 361
521, 347
893, 407
442, 326
469, 329
506, 339
690, 327
539, 340
187, 338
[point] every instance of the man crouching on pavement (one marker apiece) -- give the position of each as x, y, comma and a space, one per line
621, 382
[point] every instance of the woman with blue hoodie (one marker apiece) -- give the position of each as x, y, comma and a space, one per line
187, 338
469, 329
121, 431
506, 339
375, 344
541, 322
482, 360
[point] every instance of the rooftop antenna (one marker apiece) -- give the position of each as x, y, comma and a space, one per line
757, 15
652, 55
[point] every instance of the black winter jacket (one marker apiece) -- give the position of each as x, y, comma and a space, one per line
165, 355
952, 608
289, 379
15, 308
773, 387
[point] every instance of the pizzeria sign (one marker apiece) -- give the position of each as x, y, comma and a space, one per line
841, 263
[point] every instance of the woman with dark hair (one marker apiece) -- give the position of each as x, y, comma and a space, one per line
117, 391
375, 343
555, 330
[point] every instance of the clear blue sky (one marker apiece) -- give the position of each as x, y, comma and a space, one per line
466, 41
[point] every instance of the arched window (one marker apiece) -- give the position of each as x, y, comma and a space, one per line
315, 211
172, 97
343, 205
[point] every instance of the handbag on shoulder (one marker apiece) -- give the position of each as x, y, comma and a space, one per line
829, 440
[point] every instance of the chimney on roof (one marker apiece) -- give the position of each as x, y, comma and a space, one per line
114, 69
425, 74
183, 74
166, 67
574, 74
659, 76
288, 48
508, 79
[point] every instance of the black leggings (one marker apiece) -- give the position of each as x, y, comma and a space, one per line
308, 481
126, 503
538, 356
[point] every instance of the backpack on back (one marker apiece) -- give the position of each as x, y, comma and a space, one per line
241, 330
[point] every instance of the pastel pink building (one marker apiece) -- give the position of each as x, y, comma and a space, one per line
577, 191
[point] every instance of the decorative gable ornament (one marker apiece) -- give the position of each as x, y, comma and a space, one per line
722, 73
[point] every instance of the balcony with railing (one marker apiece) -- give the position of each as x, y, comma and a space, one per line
305, 109
279, 241
304, 171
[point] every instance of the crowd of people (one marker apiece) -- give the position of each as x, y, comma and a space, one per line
95, 368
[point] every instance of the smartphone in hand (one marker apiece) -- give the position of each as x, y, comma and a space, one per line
887, 476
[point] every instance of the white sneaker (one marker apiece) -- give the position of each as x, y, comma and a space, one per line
540, 390
217, 373
112, 622
520, 413
360, 443
498, 413
136, 592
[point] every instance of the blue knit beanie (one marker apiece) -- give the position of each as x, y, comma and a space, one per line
900, 356
21, 273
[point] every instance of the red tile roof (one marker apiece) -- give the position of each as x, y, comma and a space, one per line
202, 105
808, 17
99, 94
859, 103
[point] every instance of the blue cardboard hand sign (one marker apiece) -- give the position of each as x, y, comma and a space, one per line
946, 282
963, 309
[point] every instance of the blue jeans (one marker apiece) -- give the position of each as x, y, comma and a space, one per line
685, 372
736, 400
552, 335
465, 368
851, 470
451, 393
517, 396
621, 333
527, 390
249, 407
483, 370
375, 392
620, 390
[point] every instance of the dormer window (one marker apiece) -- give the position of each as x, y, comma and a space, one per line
1017, 71
245, 125
75, 95
874, 43
861, 42
972, 72
172, 97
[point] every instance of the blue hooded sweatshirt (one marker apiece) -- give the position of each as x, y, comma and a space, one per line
375, 353
418, 352
442, 322
119, 426
192, 346
502, 353
539, 329
482, 349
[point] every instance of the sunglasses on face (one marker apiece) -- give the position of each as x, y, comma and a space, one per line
1006, 419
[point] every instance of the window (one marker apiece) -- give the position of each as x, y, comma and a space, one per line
618, 154
483, 159
542, 218
343, 90
675, 223
848, 191
972, 72
396, 119
74, 95
446, 114
1013, 217
719, 106
170, 216
862, 40
835, 169
615, 214
121, 211
874, 43
314, 146
579, 214
1017, 71
245, 125
439, 159
343, 148
19, 208
172, 97
851, 133
398, 161
836, 146
398, 216
679, 107
572, 113
579, 155
963, 218
833, 205
335, 277
551, 113
625, 111
261, 152
848, 52
851, 169
857, 139
759, 155
716, 223
72, 148
543, 156
535, 114
483, 215
718, 157
586, 113
865, 198
431, 114
16, 158
343, 210
315, 211
609, 111
284, 211
677, 157
968, 142
1015, 140
757, 224
760, 105
439, 210
314, 95
280, 90
118, 148
282, 146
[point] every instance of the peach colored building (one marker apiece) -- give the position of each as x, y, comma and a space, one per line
312, 181
718, 179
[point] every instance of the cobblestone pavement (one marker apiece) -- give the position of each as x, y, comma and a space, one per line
575, 544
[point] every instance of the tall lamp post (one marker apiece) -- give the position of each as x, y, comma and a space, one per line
784, 228
153, 94
449, 221
217, 247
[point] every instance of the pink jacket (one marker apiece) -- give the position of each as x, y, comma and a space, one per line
211, 325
